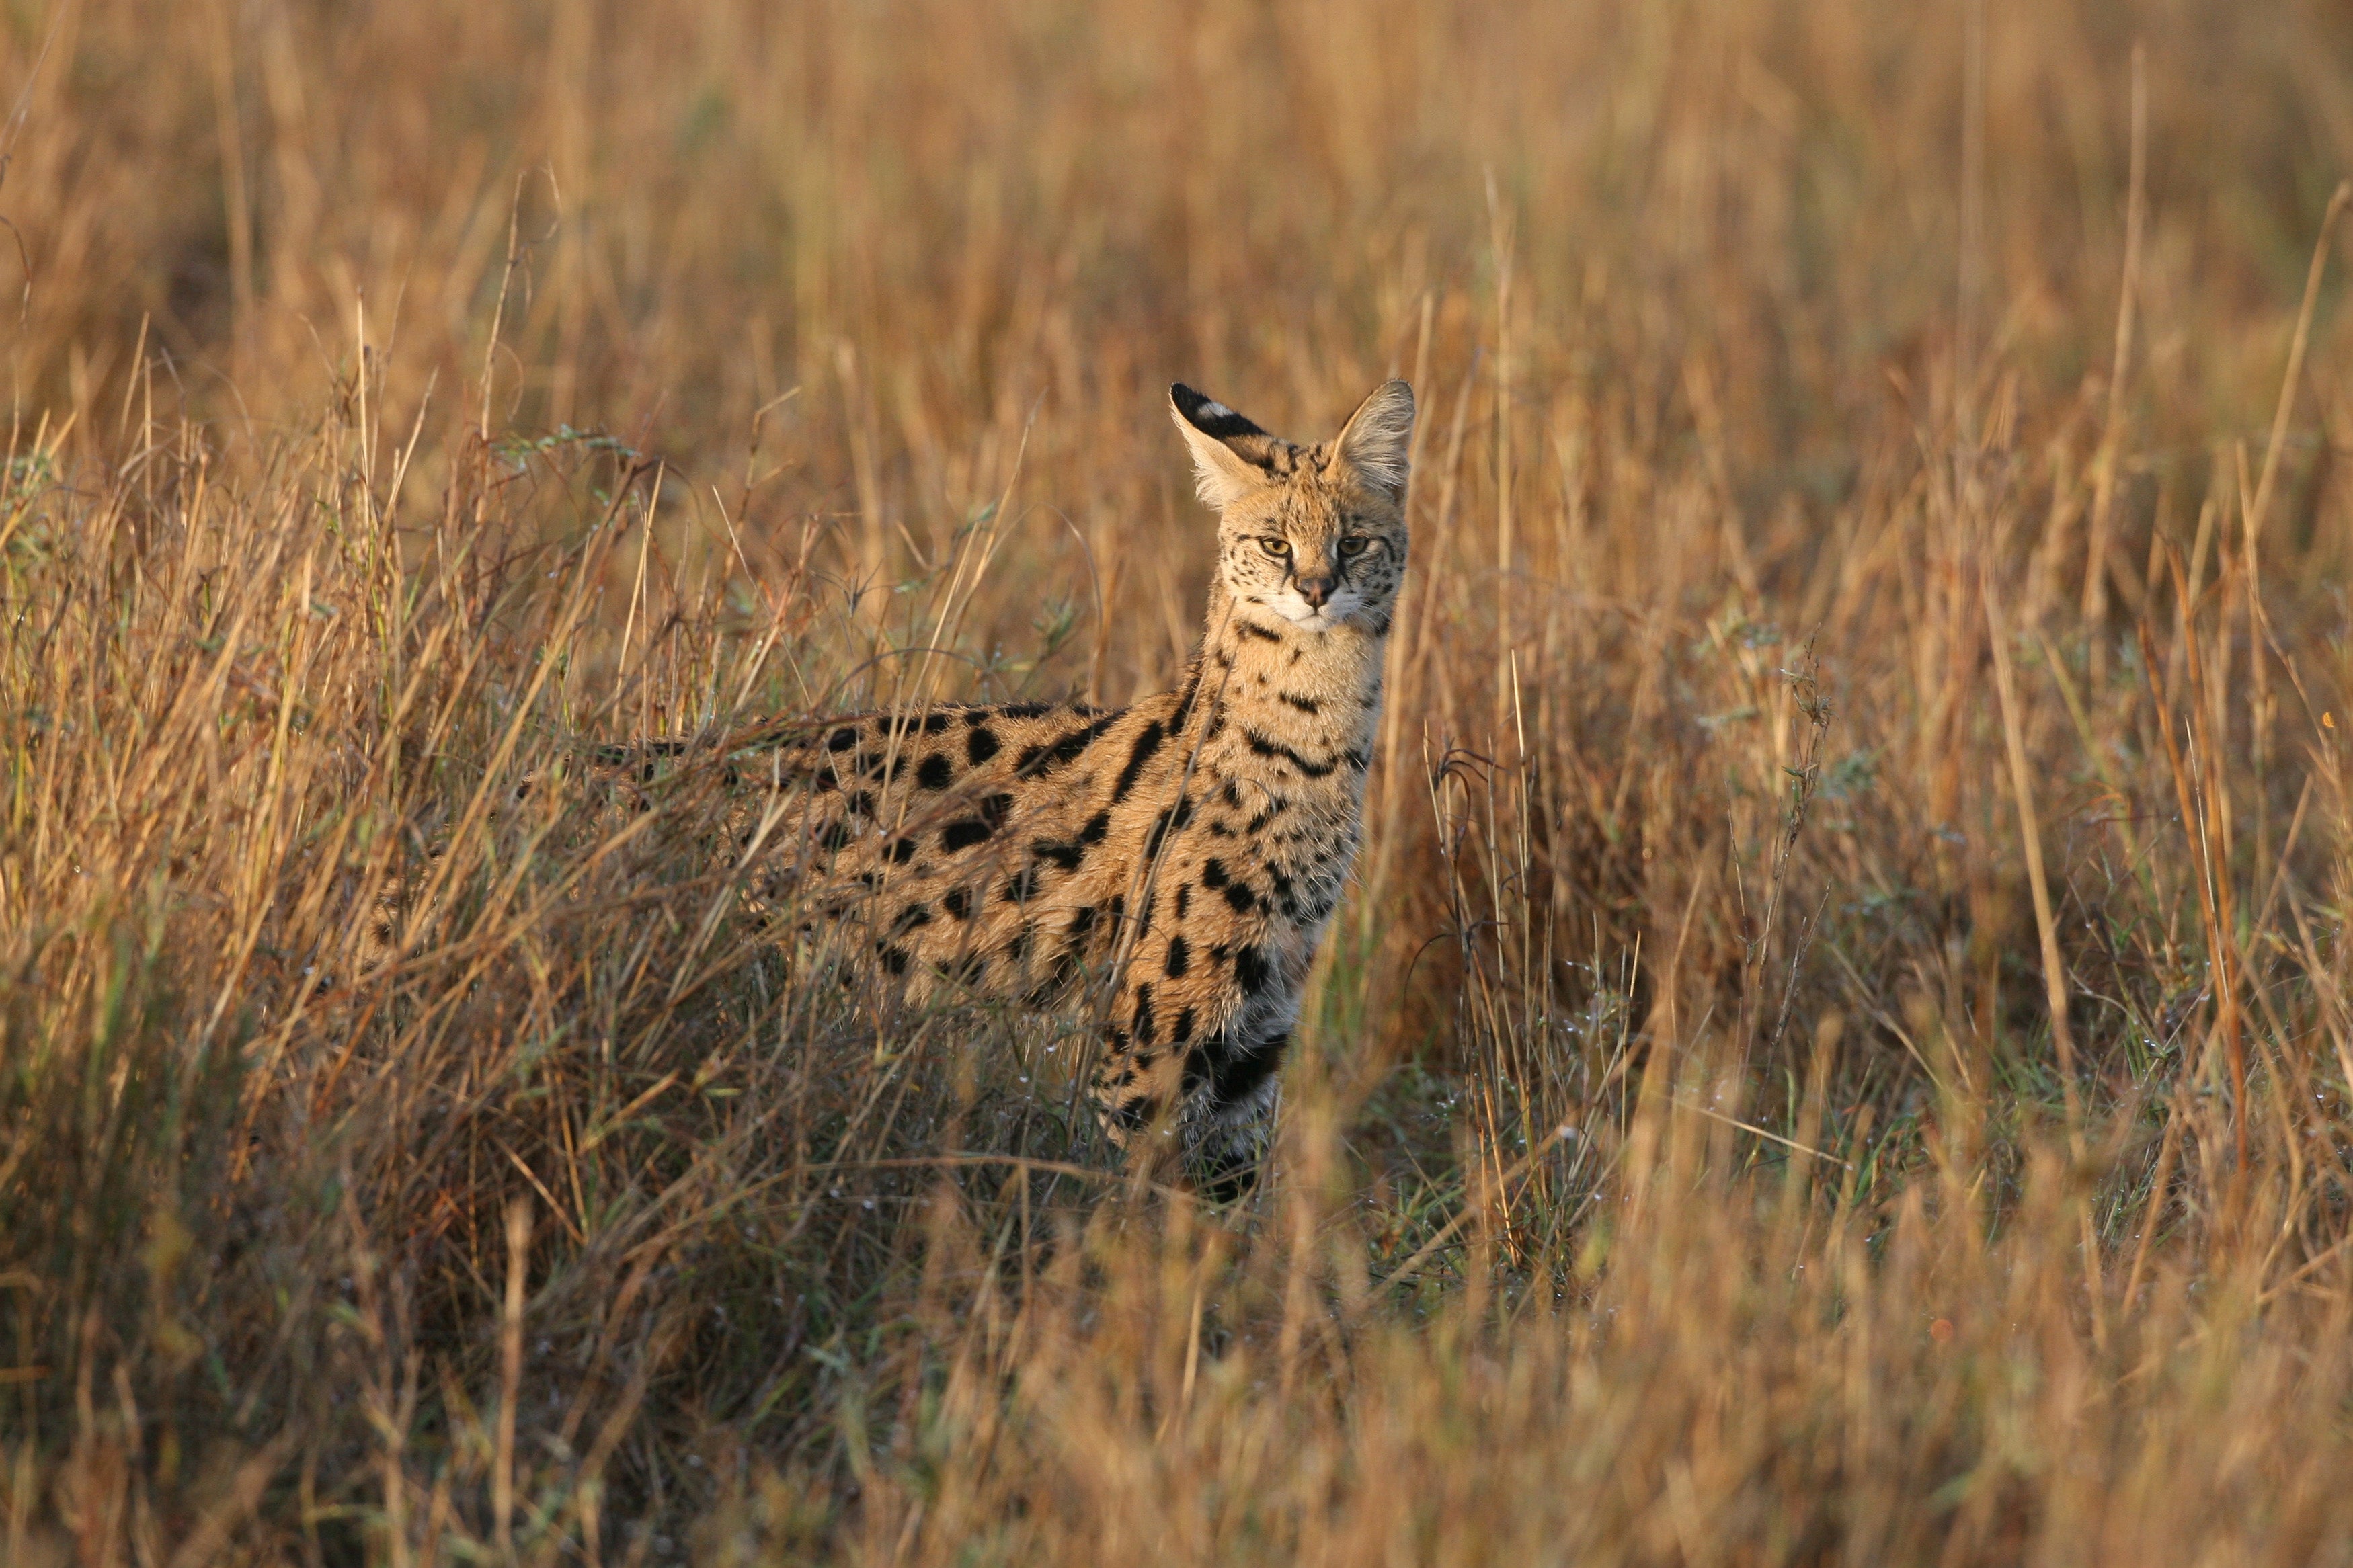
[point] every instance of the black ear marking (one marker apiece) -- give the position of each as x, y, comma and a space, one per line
1210, 417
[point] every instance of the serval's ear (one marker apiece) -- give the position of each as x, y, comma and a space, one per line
1229, 451
1378, 441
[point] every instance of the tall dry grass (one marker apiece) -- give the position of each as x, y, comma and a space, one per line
1840, 1050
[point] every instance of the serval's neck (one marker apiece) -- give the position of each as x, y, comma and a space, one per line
1315, 695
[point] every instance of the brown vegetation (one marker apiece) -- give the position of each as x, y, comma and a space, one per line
1840, 1048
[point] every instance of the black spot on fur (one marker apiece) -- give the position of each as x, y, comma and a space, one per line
937, 772
1184, 899
1022, 886
1252, 971
1144, 1015
915, 917
835, 835
901, 850
935, 723
1252, 629
1183, 1030
1013, 711
1175, 817
1044, 759
841, 739
1201, 1064
1083, 921
1240, 1074
1276, 749
1185, 700
1213, 873
1179, 956
1305, 704
965, 832
957, 902
1239, 895
1067, 855
859, 804
1147, 743
894, 959
980, 745
1231, 794
1064, 856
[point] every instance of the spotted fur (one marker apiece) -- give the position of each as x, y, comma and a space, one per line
1178, 861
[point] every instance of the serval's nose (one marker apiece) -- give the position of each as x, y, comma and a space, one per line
1315, 588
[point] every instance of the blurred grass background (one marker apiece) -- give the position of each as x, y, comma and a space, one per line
1839, 1052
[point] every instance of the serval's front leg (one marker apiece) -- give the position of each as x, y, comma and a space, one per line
1193, 1047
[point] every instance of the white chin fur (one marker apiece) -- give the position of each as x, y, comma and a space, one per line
1335, 612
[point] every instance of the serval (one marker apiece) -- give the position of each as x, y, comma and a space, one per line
1178, 861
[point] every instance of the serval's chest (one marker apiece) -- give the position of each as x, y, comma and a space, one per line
1285, 734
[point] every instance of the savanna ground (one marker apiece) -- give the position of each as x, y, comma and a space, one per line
1839, 1050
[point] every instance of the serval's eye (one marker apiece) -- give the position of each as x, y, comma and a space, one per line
1356, 544
1274, 546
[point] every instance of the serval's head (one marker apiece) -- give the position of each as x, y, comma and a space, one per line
1311, 538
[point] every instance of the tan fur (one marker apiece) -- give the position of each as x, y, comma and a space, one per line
1179, 859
